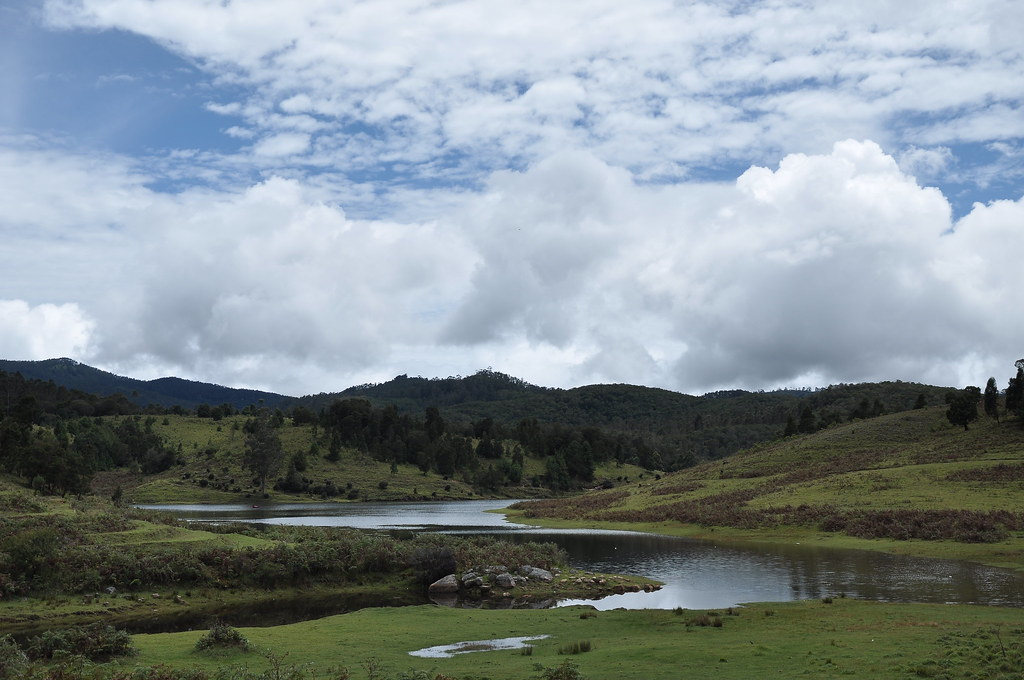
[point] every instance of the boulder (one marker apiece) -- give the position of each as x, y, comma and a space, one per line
536, 573
506, 580
448, 584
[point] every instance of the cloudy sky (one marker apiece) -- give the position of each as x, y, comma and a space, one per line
697, 195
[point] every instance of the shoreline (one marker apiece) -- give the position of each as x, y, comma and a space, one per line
1007, 554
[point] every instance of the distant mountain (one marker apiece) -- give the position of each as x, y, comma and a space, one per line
162, 391
684, 428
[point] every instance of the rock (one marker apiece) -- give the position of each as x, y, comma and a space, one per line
111, 590
648, 588
619, 589
475, 582
448, 584
536, 574
506, 580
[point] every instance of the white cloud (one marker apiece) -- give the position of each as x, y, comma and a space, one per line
44, 331
652, 86
284, 144
836, 266
833, 267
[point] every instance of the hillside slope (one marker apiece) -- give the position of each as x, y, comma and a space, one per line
683, 428
161, 391
902, 477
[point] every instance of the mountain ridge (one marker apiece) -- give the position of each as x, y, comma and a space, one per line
165, 391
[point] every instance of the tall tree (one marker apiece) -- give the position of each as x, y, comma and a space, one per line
1015, 391
963, 406
263, 452
807, 423
992, 399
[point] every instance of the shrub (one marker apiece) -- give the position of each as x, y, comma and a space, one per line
13, 661
578, 647
222, 636
567, 670
431, 563
96, 642
705, 620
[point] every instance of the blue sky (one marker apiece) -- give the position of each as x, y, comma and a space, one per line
696, 196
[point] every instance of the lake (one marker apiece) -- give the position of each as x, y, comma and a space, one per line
697, 574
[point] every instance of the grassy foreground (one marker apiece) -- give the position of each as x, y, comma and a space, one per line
796, 639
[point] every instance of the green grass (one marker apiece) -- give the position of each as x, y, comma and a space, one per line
912, 461
800, 639
212, 451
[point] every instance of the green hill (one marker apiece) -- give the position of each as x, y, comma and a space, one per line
684, 429
907, 477
161, 391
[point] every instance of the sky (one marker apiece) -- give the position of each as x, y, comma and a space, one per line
693, 195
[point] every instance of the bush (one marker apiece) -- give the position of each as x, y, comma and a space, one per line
222, 636
13, 661
567, 670
431, 563
578, 647
96, 642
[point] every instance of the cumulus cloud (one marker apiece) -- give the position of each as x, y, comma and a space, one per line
837, 266
44, 331
831, 267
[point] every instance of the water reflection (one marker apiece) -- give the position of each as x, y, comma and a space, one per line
697, 574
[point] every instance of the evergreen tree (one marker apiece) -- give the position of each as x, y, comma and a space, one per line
1015, 391
790, 426
807, 423
557, 473
263, 453
992, 399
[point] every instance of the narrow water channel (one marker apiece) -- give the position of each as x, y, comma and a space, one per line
697, 574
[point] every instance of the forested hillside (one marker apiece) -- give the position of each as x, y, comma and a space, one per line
481, 429
683, 429
159, 392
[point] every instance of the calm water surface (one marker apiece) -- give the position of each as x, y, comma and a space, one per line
697, 574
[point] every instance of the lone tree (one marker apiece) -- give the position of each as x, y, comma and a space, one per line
1015, 391
263, 452
963, 406
992, 399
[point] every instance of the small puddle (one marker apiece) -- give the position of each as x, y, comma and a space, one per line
448, 651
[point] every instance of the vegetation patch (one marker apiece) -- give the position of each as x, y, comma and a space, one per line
222, 637
95, 642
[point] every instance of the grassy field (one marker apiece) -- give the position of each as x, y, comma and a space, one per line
210, 470
798, 639
907, 483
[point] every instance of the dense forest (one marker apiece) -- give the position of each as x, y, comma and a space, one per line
159, 392
478, 428
680, 428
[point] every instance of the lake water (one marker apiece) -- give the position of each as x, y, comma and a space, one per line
696, 574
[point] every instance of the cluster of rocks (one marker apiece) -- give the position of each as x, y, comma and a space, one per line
486, 578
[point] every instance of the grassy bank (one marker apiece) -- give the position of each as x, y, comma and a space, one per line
841, 638
907, 483
66, 562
